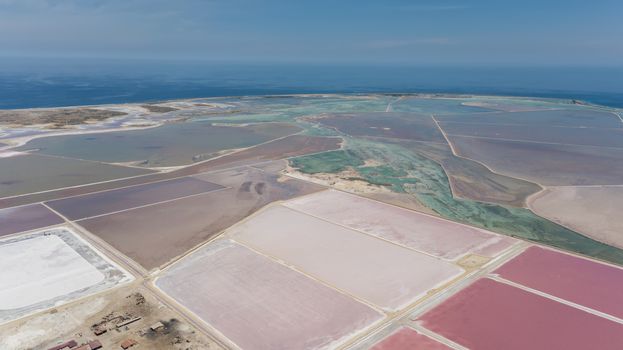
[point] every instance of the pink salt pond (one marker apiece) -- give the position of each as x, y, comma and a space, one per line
260, 304
429, 234
407, 338
100, 203
581, 281
382, 273
490, 315
25, 218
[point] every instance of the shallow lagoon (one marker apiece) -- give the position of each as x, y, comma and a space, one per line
169, 145
34, 172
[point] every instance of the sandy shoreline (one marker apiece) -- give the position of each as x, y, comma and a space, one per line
22, 140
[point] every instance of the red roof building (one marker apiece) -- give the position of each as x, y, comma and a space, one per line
66, 345
95, 345
128, 343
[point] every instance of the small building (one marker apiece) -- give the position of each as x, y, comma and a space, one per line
128, 343
156, 326
99, 329
95, 344
127, 322
66, 345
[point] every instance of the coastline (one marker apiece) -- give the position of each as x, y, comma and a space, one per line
13, 142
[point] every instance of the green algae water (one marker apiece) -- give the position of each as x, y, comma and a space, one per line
405, 171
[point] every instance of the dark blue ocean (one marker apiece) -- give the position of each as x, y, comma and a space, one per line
29, 82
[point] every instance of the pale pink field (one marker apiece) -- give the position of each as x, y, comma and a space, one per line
422, 232
592, 211
407, 338
260, 304
382, 273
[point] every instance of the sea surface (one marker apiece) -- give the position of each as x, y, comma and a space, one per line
37, 82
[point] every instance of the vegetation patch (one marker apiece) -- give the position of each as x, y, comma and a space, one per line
327, 162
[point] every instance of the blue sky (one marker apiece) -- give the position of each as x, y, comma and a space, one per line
520, 32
